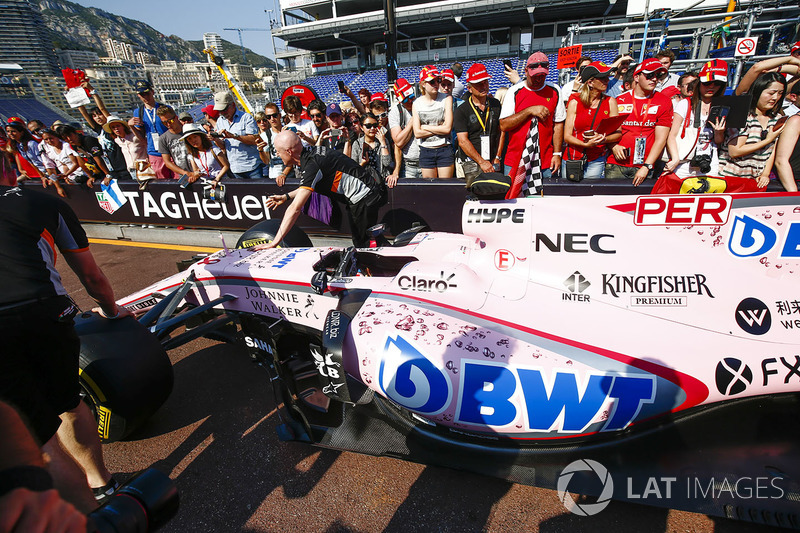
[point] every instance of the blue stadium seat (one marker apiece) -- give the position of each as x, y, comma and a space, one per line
29, 109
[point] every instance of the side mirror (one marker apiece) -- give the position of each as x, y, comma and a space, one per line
319, 282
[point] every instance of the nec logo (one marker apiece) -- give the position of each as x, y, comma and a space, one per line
487, 215
696, 210
575, 243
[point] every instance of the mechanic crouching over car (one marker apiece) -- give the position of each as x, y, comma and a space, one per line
329, 173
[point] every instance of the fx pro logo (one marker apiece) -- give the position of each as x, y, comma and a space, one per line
732, 376
592, 468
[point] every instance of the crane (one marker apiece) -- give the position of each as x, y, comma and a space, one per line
241, 43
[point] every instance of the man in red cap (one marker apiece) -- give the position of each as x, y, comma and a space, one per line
476, 123
402, 130
534, 99
645, 130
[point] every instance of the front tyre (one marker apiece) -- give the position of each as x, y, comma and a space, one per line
124, 373
265, 232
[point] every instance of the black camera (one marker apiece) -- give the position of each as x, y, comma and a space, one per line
703, 162
145, 503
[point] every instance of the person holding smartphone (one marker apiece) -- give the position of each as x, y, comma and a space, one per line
749, 152
698, 129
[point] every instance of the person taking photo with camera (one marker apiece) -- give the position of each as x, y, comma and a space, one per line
697, 132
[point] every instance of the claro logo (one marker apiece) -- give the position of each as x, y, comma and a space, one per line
420, 284
485, 215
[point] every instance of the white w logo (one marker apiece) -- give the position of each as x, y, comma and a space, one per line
751, 316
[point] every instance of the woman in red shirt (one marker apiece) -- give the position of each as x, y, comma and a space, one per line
585, 111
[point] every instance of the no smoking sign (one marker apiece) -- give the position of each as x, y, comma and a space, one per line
746, 46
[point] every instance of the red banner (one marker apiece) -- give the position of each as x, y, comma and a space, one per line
672, 184
567, 57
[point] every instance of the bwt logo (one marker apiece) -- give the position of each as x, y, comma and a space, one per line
753, 316
585, 509
407, 377
285, 260
483, 215
750, 238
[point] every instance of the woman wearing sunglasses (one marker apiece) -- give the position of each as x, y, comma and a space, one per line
585, 111
694, 137
432, 118
269, 125
750, 151
371, 151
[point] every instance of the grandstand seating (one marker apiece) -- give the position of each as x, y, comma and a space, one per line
29, 109
375, 80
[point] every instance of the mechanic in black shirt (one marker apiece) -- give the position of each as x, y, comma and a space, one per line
331, 174
477, 126
39, 360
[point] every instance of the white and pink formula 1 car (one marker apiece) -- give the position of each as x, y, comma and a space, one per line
656, 335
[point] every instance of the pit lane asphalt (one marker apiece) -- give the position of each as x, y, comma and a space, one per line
215, 437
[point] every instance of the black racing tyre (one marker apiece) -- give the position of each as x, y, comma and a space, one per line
265, 231
125, 373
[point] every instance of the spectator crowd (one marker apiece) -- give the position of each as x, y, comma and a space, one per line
622, 121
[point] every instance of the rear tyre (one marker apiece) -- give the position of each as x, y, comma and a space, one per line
265, 232
125, 373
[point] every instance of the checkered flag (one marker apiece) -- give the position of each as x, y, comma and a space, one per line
528, 178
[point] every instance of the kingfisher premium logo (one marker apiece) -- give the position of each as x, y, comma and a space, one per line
656, 291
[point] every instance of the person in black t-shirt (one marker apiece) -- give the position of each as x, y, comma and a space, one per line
89, 150
39, 360
331, 174
477, 126
96, 118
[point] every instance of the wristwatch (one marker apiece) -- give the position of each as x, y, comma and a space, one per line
648, 166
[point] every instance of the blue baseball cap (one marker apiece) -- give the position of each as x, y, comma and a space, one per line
333, 109
142, 86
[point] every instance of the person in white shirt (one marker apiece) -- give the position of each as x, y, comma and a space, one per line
666, 57
304, 128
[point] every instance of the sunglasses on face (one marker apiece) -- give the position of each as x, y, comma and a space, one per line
534, 66
371, 125
187, 120
715, 83
654, 75
383, 115
261, 120
273, 115
315, 115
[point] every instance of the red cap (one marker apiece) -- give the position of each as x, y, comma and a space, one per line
595, 69
671, 91
477, 73
16, 119
649, 65
378, 97
449, 74
209, 110
714, 70
403, 89
428, 72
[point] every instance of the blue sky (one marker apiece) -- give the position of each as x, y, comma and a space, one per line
190, 19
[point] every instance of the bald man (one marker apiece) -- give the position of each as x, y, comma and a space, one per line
332, 174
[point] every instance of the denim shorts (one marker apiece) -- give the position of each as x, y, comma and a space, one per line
436, 157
